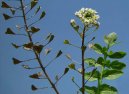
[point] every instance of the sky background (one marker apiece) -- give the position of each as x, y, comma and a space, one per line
114, 17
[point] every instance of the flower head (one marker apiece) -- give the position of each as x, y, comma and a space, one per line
88, 16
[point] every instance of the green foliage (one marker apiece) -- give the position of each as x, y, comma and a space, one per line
116, 55
112, 74
106, 89
97, 48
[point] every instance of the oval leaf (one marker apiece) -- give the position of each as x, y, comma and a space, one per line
97, 48
92, 76
106, 89
116, 55
117, 65
112, 74
90, 61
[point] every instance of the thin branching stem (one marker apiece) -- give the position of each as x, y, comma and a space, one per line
36, 54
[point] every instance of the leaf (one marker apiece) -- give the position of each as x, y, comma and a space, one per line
28, 46
72, 66
59, 53
38, 48
117, 65
5, 5
90, 61
9, 31
34, 29
90, 89
33, 87
6, 17
15, 46
97, 48
112, 74
100, 61
42, 15
36, 75
92, 76
66, 42
33, 3
37, 10
66, 70
16, 61
116, 55
110, 39
106, 89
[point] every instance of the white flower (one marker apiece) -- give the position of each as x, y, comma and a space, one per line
88, 16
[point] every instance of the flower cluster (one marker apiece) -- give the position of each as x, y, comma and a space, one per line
88, 16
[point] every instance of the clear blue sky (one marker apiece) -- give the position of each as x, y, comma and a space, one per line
114, 17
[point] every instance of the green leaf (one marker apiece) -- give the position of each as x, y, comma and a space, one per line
100, 61
15, 46
66, 42
112, 74
97, 48
92, 76
37, 10
16, 61
6, 17
33, 87
66, 70
38, 48
110, 39
28, 46
34, 29
9, 31
90, 61
116, 55
117, 65
36, 75
5, 5
59, 53
106, 89
42, 15
90, 89
72, 66
33, 3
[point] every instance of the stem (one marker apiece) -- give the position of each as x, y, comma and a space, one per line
36, 54
83, 65
102, 69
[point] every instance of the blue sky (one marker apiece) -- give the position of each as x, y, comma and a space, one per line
113, 18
